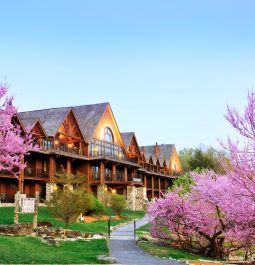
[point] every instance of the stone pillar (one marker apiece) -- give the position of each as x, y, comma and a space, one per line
131, 197
101, 193
50, 187
141, 201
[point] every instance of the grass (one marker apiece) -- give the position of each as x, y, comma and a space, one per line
31, 250
163, 251
100, 226
20, 250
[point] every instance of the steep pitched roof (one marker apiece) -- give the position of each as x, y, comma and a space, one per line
51, 119
166, 151
127, 137
29, 123
88, 117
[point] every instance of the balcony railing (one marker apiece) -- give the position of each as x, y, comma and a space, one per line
35, 172
135, 178
119, 177
108, 176
149, 185
95, 176
5, 173
7, 198
62, 147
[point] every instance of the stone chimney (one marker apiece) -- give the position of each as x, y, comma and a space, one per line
157, 150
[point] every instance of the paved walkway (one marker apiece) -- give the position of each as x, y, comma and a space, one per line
124, 250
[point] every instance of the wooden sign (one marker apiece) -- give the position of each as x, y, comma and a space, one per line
28, 205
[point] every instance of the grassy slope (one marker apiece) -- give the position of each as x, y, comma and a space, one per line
32, 250
162, 251
101, 226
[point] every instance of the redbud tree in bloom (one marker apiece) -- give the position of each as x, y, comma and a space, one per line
217, 215
14, 144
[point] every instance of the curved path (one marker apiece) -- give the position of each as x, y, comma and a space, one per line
124, 250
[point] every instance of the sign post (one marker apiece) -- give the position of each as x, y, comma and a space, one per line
28, 205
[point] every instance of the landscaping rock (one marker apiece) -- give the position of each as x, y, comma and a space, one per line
73, 233
50, 240
45, 223
17, 229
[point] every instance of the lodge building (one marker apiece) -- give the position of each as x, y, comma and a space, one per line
87, 139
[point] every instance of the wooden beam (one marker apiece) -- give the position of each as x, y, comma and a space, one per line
102, 171
68, 167
159, 188
152, 188
145, 181
113, 171
52, 168
125, 174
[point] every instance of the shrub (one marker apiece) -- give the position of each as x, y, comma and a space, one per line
98, 208
89, 203
66, 204
118, 203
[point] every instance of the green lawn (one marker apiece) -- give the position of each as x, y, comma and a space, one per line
31, 250
163, 251
101, 226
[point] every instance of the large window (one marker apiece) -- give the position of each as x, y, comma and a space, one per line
108, 136
100, 148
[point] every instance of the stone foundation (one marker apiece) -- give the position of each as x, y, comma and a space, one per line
49, 189
101, 193
136, 198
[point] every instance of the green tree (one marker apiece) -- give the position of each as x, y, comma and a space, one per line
67, 204
118, 203
198, 160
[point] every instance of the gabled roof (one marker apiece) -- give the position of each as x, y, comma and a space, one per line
166, 151
29, 123
127, 137
88, 117
51, 119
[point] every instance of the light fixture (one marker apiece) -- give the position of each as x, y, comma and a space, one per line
113, 191
56, 142
70, 145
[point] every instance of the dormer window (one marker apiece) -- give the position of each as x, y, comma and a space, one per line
108, 135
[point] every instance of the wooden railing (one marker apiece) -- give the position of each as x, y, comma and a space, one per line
35, 172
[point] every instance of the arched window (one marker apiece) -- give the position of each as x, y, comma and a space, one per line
108, 136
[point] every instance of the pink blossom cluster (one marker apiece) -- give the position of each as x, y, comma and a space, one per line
14, 143
218, 215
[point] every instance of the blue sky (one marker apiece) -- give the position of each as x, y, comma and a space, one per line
168, 68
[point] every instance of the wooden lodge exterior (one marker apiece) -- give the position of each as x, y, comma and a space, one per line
87, 139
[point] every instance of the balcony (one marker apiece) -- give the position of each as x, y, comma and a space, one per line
35, 172
135, 178
5, 173
61, 147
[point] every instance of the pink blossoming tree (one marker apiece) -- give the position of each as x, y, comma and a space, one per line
14, 143
217, 215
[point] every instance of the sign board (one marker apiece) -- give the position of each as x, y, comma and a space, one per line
28, 205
